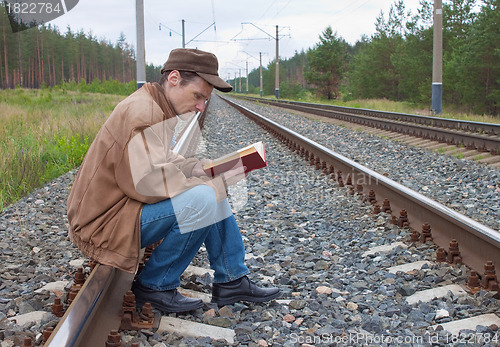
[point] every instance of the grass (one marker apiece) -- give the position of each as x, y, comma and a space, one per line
44, 134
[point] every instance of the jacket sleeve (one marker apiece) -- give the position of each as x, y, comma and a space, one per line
157, 173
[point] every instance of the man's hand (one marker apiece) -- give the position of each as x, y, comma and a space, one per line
231, 177
235, 175
198, 168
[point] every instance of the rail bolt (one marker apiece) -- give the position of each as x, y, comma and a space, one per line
441, 255
92, 264
473, 284
403, 219
415, 236
394, 220
28, 342
147, 313
490, 281
46, 334
324, 167
114, 339
317, 163
349, 180
454, 256
79, 277
73, 292
376, 209
386, 206
341, 182
57, 307
339, 175
311, 159
371, 197
426, 233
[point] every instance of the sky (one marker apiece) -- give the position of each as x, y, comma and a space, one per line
238, 32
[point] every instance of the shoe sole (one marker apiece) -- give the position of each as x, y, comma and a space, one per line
234, 299
165, 309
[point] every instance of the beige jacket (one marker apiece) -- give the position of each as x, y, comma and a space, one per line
104, 204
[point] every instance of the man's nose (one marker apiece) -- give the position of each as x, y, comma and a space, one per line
200, 106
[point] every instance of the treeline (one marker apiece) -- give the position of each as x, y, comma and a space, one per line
42, 56
396, 62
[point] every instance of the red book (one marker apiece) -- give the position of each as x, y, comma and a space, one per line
252, 157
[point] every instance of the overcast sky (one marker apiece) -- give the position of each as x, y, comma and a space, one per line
300, 23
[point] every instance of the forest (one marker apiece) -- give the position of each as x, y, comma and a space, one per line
395, 63
43, 56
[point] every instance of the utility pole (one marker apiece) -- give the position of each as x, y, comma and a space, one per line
260, 58
277, 81
141, 51
260, 62
239, 82
183, 35
247, 75
437, 58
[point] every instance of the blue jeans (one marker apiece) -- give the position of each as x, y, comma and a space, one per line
222, 238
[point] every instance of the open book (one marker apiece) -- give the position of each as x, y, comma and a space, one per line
252, 157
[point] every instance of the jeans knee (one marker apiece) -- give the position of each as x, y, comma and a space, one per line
195, 208
204, 200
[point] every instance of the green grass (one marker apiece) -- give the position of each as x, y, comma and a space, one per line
44, 134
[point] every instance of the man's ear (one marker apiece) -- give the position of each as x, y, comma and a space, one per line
174, 77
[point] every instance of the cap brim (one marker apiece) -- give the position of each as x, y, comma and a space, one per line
216, 81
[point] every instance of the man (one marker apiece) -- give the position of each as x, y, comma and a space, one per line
132, 191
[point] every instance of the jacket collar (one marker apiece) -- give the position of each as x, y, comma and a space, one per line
158, 94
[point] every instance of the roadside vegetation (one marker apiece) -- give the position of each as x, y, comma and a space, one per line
45, 133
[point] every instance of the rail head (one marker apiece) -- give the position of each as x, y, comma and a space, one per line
472, 126
74, 324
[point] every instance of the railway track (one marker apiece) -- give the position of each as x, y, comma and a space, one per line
95, 313
474, 139
424, 213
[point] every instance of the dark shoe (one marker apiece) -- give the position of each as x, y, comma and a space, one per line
241, 290
165, 301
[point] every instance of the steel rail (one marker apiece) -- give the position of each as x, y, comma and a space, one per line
478, 243
480, 136
447, 123
97, 308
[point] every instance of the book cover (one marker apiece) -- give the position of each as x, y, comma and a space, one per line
253, 157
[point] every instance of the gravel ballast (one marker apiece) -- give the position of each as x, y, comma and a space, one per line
303, 233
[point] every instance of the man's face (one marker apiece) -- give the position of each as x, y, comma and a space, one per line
190, 97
